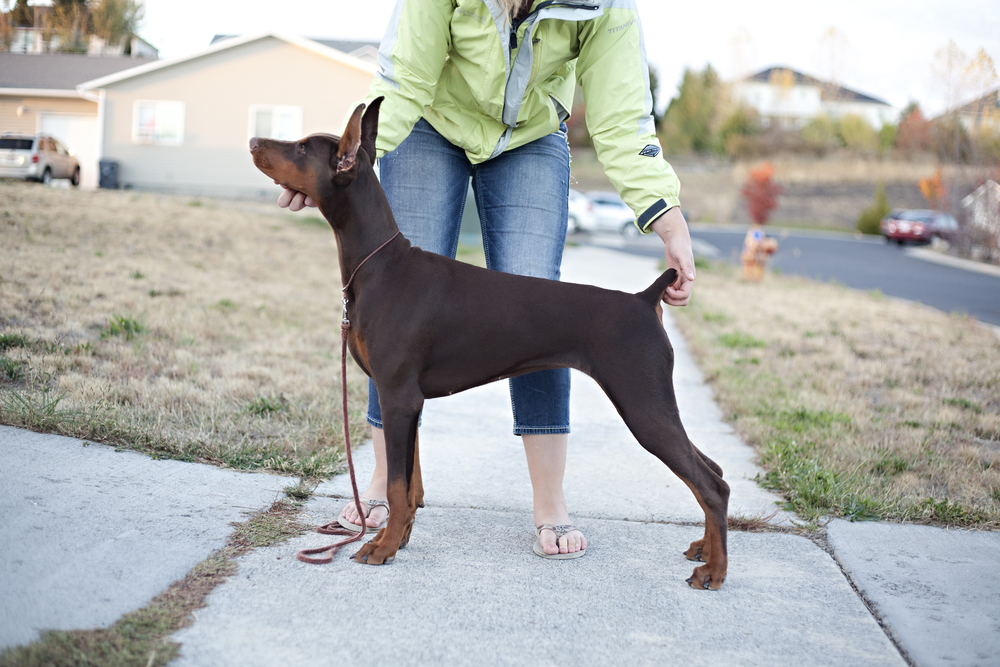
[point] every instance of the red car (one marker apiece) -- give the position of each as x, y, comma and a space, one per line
917, 226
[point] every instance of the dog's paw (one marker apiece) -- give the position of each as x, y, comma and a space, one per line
703, 579
372, 554
696, 551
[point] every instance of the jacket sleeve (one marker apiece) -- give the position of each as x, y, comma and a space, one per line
619, 113
411, 57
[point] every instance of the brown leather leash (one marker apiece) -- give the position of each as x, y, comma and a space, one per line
334, 528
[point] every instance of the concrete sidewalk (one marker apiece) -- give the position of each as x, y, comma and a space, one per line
468, 588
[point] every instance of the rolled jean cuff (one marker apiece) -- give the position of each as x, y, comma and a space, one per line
540, 430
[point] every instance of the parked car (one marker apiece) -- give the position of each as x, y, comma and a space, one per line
917, 226
581, 212
611, 214
36, 158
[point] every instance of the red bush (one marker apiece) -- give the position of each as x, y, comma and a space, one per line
760, 193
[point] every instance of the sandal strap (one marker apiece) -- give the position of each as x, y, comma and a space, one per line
559, 530
371, 503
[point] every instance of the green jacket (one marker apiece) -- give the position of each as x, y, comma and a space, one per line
462, 66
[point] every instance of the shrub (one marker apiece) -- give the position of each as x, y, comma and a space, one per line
821, 134
887, 137
857, 134
735, 132
868, 221
124, 326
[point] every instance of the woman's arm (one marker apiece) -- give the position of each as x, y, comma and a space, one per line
613, 72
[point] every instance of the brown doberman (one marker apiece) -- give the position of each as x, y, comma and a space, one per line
424, 326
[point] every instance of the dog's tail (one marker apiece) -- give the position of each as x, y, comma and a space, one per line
654, 292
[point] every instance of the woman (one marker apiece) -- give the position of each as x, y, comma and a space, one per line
480, 89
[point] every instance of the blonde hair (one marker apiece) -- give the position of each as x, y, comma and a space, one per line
510, 6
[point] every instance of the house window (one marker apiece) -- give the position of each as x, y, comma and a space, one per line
158, 123
276, 122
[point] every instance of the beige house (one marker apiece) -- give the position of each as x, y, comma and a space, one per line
38, 94
183, 125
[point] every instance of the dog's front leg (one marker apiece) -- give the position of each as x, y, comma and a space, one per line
405, 488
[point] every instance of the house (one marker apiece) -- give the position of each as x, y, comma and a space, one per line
983, 207
790, 99
363, 51
979, 114
38, 93
182, 125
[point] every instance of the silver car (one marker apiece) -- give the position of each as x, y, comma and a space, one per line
36, 158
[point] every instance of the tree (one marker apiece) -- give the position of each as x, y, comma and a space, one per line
914, 133
117, 20
833, 48
70, 20
689, 120
22, 15
760, 193
654, 88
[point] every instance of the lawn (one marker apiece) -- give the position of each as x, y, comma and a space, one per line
199, 330
858, 405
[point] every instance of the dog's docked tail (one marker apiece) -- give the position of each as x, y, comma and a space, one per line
654, 292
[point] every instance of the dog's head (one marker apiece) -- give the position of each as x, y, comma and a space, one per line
316, 164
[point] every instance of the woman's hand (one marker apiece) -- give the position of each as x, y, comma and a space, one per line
673, 231
294, 200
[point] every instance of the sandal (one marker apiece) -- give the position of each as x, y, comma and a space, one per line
559, 531
372, 504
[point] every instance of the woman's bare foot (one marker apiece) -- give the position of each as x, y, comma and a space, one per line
376, 489
569, 543
376, 515
546, 455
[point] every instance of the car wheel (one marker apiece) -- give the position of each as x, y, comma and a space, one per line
47, 176
572, 226
630, 231
75, 178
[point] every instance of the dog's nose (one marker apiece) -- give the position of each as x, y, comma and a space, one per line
253, 144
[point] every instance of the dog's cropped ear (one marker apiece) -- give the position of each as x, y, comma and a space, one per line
369, 127
350, 142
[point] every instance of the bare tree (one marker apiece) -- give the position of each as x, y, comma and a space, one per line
116, 21
833, 53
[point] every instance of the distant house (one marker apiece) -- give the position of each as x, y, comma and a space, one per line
983, 207
980, 113
38, 93
182, 125
787, 98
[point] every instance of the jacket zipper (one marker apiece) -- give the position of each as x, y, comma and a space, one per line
542, 5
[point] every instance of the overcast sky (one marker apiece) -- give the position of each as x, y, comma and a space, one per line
883, 48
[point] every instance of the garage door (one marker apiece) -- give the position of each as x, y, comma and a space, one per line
78, 133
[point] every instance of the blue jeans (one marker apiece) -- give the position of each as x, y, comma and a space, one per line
522, 196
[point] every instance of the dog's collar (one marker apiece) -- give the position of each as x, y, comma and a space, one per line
354, 273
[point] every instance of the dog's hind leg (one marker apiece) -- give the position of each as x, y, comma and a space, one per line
642, 391
405, 487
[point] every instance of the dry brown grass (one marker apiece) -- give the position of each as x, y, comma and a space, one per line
859, 405
237, 359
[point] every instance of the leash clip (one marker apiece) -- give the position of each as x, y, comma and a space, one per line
344, 321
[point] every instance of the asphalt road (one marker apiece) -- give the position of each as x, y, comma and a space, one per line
858, 263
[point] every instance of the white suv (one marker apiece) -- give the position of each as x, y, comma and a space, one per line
36, 158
